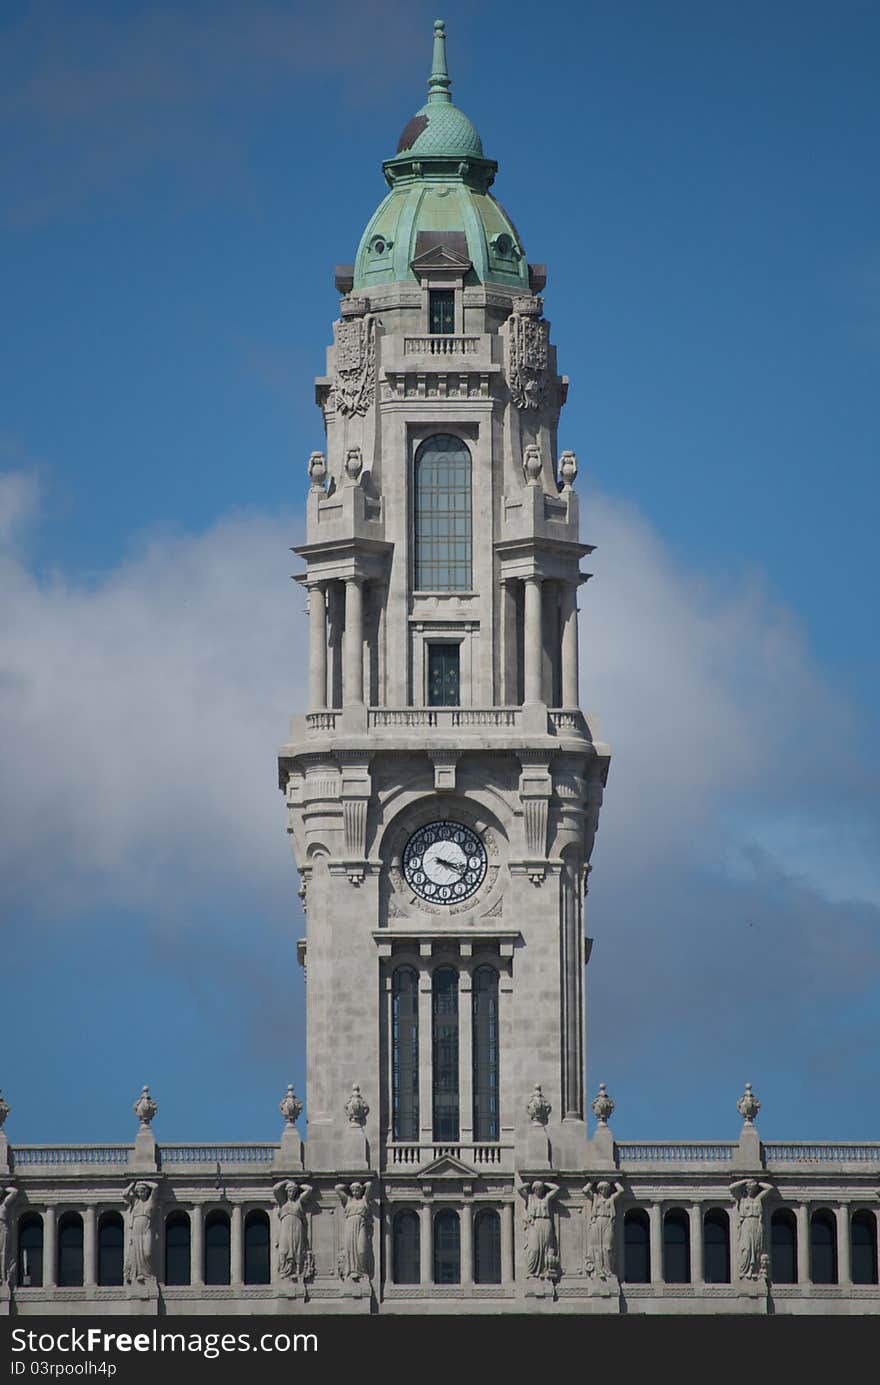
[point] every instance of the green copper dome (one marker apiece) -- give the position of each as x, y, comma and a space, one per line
440, 180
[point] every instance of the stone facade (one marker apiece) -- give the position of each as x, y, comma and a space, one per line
443, 792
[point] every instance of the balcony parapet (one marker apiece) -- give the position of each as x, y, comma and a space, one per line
415, 1155
560, 721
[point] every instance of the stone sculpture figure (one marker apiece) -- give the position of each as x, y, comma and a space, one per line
8, 1198
356, 1258
140, 1199
542, 1254
292, 1242
600, 1211
749, 1196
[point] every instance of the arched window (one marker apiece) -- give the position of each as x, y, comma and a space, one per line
70, 1249
256, 1248
405, 1054
445, 1053
823, 1248
487, 1247
783, 1247
716, 1247
447, 1248
485, 1044
30, 1251
177, 1248
443, 515
111, 1243
217, 1250
636, 1247
406, 1248
863, 1242
676, 1247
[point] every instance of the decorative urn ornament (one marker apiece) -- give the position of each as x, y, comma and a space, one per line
356, 1108
602, 1106
290, 1105
538, 1106
145, 1107
568, 469
748, 1105
317, 470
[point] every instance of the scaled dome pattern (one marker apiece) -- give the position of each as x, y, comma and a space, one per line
440, 180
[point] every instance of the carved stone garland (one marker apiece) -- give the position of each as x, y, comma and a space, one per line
528, 371
355, 385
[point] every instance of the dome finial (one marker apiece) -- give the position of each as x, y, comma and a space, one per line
438, 82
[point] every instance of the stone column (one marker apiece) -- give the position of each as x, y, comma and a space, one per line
533, 642
426, 1245
507, 1268
387, 1276
568, 618
802, 1215
467, 1243
844, 1258
695, 1224
90, 1247
317, 646
507, 692
236, 1245
196, 1245
50, 1250
465, 1057
426, 1092
353, 644
655, 1218
551, 637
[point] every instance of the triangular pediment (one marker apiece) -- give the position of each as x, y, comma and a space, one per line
446, 1167
441, 257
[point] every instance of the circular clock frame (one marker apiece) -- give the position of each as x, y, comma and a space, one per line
444, 862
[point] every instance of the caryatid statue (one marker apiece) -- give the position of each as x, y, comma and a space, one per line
600, 1211
356, 1257
749, 1196
140, 1199
292, 1241
542, 1252
8, 1198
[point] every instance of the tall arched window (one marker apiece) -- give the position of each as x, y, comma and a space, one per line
256, 1248
823, 1248
30, 1251
217, 1249
177, 1248
487, 1247
485, 1056
405, 1054
676, 1247
863, 1243
636, 1247
111, 1242
406, 1247
447, 1247
445, 1053
783, 1247
716, 1247
70, 1249
442, 514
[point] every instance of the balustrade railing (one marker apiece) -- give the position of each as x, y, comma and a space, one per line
411, 1155
820, 1152
218, 1154
676, 1152
44, 1156
449, 718
441, 345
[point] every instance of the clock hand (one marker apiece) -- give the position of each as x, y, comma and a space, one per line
451, 865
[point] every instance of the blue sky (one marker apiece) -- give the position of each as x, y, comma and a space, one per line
177, 184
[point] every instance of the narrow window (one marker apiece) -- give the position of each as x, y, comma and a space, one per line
487, 1247
217, 1256
485, 1042
442, 310
443, 675
70, 1249
716, 1247
783, 1247
30, 1251
111, 1242
177, 1248
256, 1248
406, 1248
676, 1248
442, 515
823, 1248
405, 1054
447, 1248
863, 1241
445, 1053
636, 1247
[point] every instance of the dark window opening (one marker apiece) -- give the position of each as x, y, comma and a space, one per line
447, 1248
783, 1247
405, 1054
676, 1248
716, 1247
636, 1248
445, 1054
177, 1249
442, 310
70, 1250
863, 1241
217, 1248
30, 1251
111, 1245
256, 1248
443, 675
823, 1248
485, 1055
442, 514
487, 1247
406, 1248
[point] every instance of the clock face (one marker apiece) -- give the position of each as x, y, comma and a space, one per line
444, 862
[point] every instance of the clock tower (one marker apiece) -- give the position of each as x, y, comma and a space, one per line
444, 785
